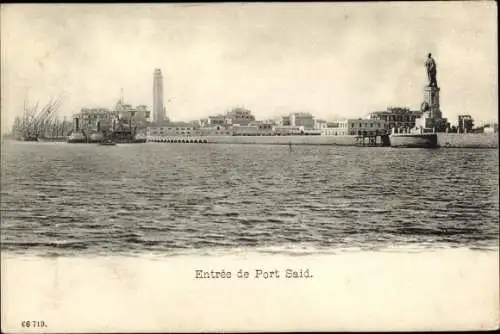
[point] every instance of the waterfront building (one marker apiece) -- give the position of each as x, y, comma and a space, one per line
266, 128
91, 120
302, 119
139, 115
397, 117
364, 126
240, 116
158, 107
289, 130
335, 128
220, 120
214, 131
285, 121
354, 127
123, 117
225, 122
171, 129
320, 124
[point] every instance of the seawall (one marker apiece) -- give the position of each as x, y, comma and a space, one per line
468, 140
285, 140
444, 140
264, 140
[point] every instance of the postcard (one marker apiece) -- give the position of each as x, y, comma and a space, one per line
238, 167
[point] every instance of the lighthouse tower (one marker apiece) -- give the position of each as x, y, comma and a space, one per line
158, 108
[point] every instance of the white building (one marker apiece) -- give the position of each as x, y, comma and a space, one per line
171, 129
289, 130
351, 127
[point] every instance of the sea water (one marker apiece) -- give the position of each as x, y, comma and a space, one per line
110, 238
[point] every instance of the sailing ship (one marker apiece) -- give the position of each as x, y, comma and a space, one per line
40, 124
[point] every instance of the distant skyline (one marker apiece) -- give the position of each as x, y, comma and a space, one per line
329, 59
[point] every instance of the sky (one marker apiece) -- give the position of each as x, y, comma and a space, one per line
330, 59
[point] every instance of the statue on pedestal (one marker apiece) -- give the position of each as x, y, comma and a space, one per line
430, 64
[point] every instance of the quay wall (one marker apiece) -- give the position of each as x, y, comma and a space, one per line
468, 140
285, 140
445, 140
263, 140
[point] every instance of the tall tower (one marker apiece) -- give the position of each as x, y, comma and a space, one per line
158, 109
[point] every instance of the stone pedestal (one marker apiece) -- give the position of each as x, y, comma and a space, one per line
431, 97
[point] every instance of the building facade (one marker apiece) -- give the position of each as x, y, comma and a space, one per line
397, 117
90, 120
355, 127
219, 120
302, 119
364, 127
289, 130
123, 117
320, 124
240, 116
171, 129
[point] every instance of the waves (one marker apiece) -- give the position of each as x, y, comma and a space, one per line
165, 198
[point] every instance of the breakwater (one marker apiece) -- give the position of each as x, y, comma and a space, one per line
445, 140
263, 140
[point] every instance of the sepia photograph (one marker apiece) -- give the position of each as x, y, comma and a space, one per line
244, 167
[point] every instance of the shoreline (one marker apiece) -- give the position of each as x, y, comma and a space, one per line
444, 140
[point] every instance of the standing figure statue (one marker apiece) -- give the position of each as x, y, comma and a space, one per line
430, 64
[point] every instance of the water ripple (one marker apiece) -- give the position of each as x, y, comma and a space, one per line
166, 198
